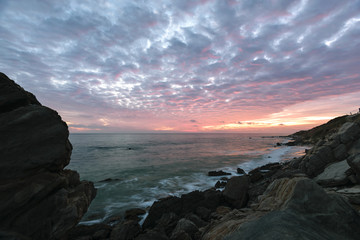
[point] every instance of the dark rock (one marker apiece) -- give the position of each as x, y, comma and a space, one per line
184, 225
218, 173
203, 213
100, 231
349, 132
307, 212
196, 220
240, 171
354, 163
355, 148
236, 191
255, 175
167, 223
38, 199
334, 175
160, 207
220, 184
12, 236
340, 152
181, 235
316, 161
134, 213
188, 203
109, 180
152, 235
292, 143
12, 96
127, 230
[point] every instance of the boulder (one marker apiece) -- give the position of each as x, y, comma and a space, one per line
96, 231
340, 152
349, 131
317, 159
167, 223
354, 163
38, 198
127, 230
236, 191
218, 173
152, 235
240, 171
334, 175
220, 184
184, 225
188, 203
355, 148
134, 213
305, 211
352, 194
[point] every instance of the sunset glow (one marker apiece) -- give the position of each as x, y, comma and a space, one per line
186, 66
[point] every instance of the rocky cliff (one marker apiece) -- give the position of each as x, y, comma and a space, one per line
38, 198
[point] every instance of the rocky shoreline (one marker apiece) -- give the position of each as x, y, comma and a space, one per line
316, 196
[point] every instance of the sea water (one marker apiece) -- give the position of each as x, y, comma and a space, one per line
133, 170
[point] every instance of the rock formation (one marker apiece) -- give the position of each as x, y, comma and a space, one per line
301, 210
38, 198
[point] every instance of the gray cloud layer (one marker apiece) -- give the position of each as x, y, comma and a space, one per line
169, 56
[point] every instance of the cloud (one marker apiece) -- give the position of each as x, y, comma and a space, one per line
186, 60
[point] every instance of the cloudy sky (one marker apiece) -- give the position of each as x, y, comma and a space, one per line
181, 65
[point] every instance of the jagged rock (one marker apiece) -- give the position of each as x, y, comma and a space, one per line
152, 235
167, 223
38, 199
236, 191
352, 194
240, 171
340, 152
184, 225
229, 223
305, 212
196, 220
218, 173
127, 230
203, 213
134, 213
334, 175
96, 231
354, 163
355, 148
348, 132
315, 162
188, 203
220, 184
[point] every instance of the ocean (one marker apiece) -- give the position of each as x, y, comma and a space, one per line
133, 170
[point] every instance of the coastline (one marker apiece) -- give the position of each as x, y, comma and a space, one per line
266, 195
315, 196
197, 181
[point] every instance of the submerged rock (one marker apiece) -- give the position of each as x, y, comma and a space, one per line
38, 198
218, 173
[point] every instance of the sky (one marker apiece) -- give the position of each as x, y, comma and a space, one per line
186, 66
